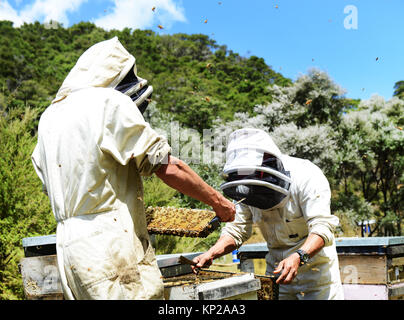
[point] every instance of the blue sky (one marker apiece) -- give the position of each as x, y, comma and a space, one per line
291, 35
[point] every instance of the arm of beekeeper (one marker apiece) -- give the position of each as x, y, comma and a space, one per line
35, 158
233, 235
314, 200
241, 228
290, 265
178, 175
224, 245
128, 137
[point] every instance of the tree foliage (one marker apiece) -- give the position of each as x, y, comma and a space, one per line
24, 209
399, 89
193, 77
371, 148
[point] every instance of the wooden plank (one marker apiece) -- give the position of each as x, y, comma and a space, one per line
39, 241
362, 250
363, 269
395, 269
365, 292
373, 292
394, 251
397, 261
41, 278
229, 287
369, 241
247, 265
39, 246
234, 286
396, 291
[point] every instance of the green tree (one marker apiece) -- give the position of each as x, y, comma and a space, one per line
399, 89
371, 162
24, 208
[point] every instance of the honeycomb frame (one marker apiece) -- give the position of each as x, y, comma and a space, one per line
181, 222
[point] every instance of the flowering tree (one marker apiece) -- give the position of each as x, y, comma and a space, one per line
301, 118
371, 162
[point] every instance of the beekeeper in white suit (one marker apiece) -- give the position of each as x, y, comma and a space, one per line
93, 147
289, 199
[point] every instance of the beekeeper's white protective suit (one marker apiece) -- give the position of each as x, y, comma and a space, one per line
93, 147
286, 227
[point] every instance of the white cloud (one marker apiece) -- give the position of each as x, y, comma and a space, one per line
40, 10
135, 14
138, 14
8, 13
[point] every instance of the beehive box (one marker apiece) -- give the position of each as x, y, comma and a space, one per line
212, 285
42, 281
370, 268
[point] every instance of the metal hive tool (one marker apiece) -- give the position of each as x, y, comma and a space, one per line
181, 221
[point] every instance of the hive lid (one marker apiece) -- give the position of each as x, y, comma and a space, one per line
369, 241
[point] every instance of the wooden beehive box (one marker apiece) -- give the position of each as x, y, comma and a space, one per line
372, 268
39, 270
41, 278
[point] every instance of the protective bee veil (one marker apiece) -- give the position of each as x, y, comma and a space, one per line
254, 170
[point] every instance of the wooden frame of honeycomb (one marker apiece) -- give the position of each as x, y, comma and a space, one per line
269, 288
179, 221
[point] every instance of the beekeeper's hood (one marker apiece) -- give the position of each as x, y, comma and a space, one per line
254, 170
107, 64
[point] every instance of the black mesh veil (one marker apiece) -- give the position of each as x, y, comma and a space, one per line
143, 93
261, 188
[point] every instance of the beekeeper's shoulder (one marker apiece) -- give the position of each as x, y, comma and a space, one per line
100, 93
114, 98
304, 171
107, 97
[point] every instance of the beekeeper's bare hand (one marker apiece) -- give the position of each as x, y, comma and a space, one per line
204, 260
224, 245
289, 267
225, 210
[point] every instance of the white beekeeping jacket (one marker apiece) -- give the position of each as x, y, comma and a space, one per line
93, 147
285, 229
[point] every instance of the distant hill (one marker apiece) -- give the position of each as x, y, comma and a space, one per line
194, 78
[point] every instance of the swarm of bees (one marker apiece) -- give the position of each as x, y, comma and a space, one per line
179, 221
